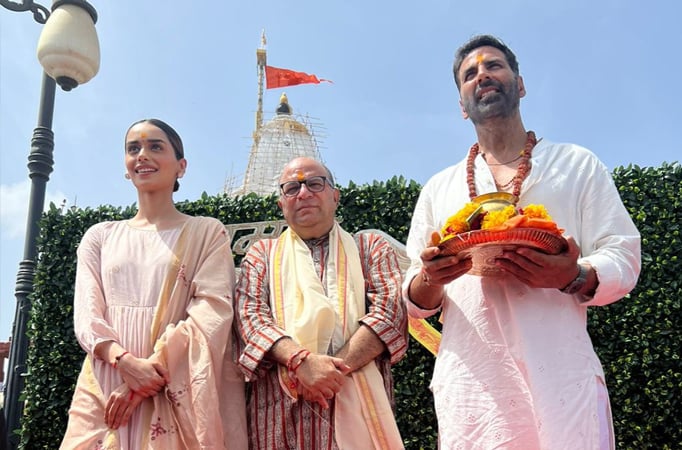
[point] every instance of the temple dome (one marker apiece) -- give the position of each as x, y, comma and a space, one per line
278, 141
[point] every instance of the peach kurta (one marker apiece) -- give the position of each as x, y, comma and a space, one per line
167, 292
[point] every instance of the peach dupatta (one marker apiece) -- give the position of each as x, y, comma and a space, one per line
191, 331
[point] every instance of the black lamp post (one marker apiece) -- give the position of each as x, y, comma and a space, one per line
68, 50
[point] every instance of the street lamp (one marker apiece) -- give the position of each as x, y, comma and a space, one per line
68, 50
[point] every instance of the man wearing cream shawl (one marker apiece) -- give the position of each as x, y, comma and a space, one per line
321, 319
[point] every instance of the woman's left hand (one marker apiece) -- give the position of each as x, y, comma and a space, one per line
120, 406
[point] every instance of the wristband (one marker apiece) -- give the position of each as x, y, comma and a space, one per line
577, 284
118, 359
292, 364
295, 366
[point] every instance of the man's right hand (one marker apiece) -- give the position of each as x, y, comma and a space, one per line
427, 288
441, 270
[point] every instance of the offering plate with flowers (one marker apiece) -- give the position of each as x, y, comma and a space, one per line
490, 224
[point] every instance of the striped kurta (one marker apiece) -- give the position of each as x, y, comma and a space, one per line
275, 421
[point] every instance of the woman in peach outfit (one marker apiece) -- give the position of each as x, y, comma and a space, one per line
153, 311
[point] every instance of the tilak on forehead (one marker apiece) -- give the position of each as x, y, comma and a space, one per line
143, 135
299, 175
480, 58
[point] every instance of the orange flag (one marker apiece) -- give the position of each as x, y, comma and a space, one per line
276, 77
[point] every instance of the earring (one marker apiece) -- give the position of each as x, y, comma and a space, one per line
127, 176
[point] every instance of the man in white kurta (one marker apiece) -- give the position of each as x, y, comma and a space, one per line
516, 368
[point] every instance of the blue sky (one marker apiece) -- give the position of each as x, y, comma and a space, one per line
603, 74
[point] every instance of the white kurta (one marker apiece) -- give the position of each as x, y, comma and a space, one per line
516, 368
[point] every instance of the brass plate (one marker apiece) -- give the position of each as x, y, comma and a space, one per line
484, 246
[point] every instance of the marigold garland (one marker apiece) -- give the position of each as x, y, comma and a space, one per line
458, 223
496, 218
509, 217
536, 212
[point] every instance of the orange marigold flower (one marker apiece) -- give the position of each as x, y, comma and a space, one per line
497, 218
458, 223
536, 212
509, 217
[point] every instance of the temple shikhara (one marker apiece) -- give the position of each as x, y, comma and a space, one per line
284, 137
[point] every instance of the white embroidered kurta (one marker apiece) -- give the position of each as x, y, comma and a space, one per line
516, 368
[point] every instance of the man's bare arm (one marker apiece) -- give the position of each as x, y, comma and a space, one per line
364, 346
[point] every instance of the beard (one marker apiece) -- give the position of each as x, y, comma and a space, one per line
496, 104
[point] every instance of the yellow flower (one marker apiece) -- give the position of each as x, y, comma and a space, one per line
532, 216
496, 218
536, 212
458, 223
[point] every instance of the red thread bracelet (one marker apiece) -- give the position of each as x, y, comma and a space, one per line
132, 394
294, 367
118, 358
290, 361
292, 357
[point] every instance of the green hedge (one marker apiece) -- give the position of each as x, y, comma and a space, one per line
638, 338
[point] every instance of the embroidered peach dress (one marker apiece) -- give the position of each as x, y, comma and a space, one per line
168, 292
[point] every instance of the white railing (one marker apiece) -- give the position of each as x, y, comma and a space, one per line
245, 234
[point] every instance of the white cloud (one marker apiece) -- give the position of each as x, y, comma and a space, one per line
14, 199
